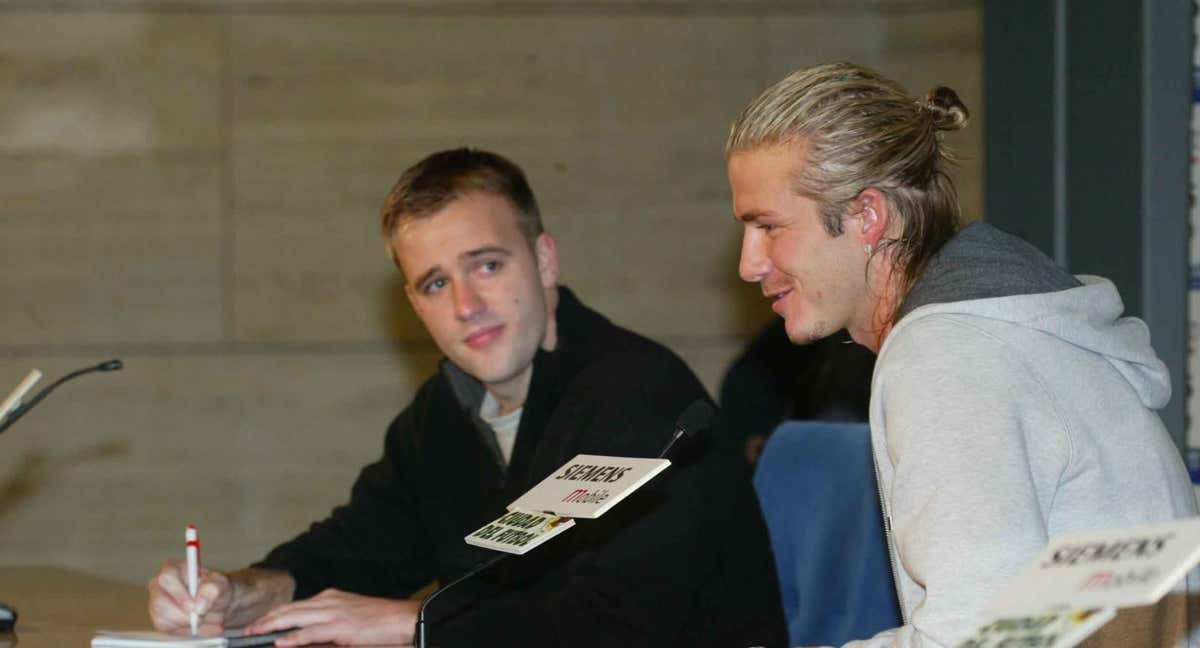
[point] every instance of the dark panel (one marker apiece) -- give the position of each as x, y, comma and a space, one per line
1123, 83
1019, 129
1165, 154
1104, 134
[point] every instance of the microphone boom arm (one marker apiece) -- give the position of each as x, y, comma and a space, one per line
420, 634
20, 410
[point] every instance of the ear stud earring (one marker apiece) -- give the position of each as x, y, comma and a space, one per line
867, 248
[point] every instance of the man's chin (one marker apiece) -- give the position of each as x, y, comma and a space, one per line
489, 373
801, 334
494, 366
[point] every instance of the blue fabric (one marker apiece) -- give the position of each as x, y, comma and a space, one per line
816, 484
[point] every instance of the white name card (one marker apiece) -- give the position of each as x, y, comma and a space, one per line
589, 485
1060, 629
1078, 582
1101, 569
584, 487
518, 532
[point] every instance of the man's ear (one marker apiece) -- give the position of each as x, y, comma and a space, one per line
870, 216
546, 251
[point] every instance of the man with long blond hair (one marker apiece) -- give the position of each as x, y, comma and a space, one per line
1011, 401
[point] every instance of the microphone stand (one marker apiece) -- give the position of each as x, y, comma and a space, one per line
8, 614
20, 410
420, 635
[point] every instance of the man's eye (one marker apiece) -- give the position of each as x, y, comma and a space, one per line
766, 227
434, 286
490, 267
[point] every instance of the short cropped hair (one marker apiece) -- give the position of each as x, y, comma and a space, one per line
860, 129
445, 176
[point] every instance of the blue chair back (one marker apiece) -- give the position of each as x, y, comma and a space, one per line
816, 483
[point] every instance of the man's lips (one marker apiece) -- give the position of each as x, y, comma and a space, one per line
483, 336
776, 298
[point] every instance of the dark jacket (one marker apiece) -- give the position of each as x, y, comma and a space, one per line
685, 561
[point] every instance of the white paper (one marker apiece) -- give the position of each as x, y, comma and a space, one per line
151, 639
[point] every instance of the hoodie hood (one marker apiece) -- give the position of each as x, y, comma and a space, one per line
983, 272
981, 262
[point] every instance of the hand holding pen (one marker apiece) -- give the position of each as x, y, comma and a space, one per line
173, 606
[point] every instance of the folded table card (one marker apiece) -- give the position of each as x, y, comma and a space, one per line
1061, 629
585, 487
517, 532
589, 485
1080, 581
1099, 569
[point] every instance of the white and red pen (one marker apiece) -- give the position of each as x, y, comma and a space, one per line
193, 570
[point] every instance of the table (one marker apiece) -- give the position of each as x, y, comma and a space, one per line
62, 608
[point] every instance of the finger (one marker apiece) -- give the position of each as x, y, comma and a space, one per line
323, 607
209, 629
218, 578
281, 611
275, 623
208, 593
213, 618
166, 615
329, 594
318, 634
163, 625
174, 569
317, 603
294, 617
168, 583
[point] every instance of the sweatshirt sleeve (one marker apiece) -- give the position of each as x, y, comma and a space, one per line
963, 418
373, 544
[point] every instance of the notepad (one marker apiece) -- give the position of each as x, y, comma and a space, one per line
151, 639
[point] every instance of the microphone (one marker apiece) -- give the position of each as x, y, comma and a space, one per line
22, 409
420, 634
693, 421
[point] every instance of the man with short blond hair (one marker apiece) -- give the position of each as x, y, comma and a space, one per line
532, 377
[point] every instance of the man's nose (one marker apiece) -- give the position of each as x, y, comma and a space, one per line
754, 264
467, 301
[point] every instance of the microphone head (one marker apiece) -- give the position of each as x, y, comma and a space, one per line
111, 365
695, 418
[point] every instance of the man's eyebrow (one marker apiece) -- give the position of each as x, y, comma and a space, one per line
750, 216
487, 249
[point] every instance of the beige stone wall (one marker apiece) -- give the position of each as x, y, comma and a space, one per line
191, 186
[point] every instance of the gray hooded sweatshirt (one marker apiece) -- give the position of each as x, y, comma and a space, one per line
1012, 403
